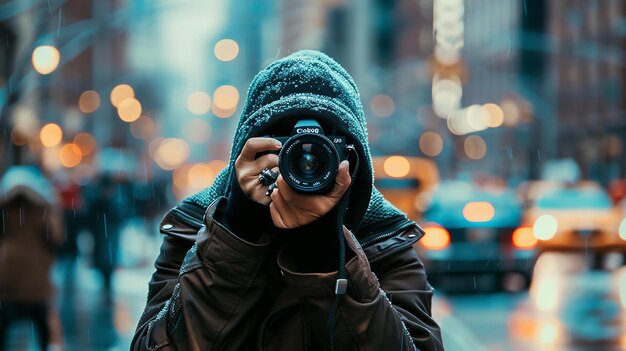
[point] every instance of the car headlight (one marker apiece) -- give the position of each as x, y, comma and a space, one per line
622, 229
545, 227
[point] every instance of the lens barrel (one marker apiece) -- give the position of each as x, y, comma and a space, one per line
309, 163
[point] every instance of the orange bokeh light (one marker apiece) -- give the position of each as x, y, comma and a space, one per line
478, 211
200, 175
85, 142
89, 101
397, 166
226, 50
436, 237
129, 110
523, 237
51, 135
382, 106
120, 93
70, 155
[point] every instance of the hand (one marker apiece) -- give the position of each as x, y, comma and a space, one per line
247, 168
290, 209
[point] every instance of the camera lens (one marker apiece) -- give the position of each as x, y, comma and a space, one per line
308, 163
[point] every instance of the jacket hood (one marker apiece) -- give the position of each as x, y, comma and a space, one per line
310, 84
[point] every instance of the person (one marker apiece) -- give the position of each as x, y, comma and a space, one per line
105, 215
30, 231
241, 270
71, 203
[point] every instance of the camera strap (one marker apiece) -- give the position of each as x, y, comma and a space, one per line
341, 284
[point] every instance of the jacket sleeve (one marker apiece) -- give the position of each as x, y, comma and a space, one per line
206, 300
391, 311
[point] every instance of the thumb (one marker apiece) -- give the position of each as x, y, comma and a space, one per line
343, 180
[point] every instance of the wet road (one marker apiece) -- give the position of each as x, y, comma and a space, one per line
568, 307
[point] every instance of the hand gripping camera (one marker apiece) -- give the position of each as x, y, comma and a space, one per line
309, 159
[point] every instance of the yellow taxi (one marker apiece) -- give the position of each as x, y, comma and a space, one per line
576, 216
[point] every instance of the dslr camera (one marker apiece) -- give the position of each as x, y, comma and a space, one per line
309, 159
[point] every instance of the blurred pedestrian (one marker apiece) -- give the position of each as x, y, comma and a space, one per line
104, 217
71, 203
30, 231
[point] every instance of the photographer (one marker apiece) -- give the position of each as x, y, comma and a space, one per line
313, 259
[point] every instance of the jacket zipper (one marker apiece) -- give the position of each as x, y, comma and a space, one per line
379, 236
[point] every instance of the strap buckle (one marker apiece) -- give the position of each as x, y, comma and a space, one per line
341, 286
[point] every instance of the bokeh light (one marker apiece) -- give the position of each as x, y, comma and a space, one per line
85, 142
179, 177
143, 127
120, 93
382, 106
199, 103
474, 147
171, 153
397, 166
447, 94
477, 118
25, 120
545, 227
523, 238
494, 114
70, 155
153, 146
431, 144
51, 135
129, 110
545, 294
50, 158
226, 50
511, 113
548, 331
478, 211
89, 101
218, 112
200, 175
435, 237
46, 59
225, 99
217, 165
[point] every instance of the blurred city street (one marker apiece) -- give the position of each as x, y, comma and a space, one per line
499, 126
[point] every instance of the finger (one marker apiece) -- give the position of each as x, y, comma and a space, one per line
276, 218
258, 194
343, 180
256, 145
266, 161
287, 192
279, 202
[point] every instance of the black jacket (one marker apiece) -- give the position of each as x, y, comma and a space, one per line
215, 291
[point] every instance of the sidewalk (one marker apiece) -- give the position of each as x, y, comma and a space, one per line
90, 321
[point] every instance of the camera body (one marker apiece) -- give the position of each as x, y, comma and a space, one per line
309, 159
